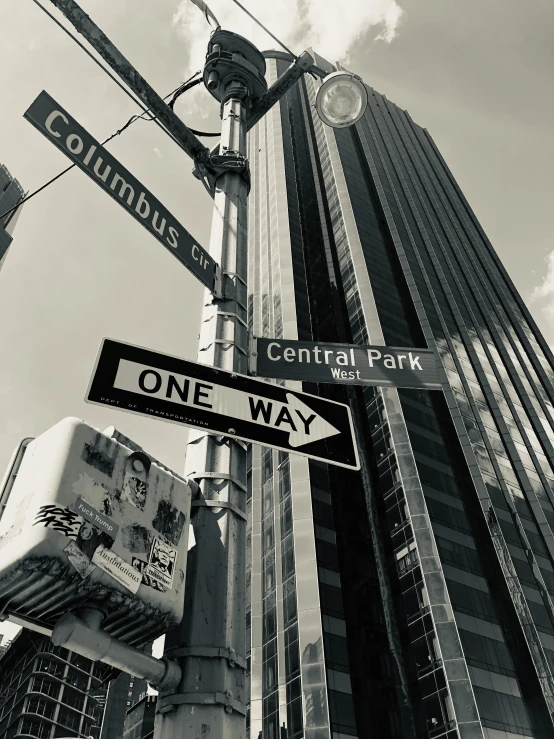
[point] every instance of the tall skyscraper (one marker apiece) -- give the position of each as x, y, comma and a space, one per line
11, 193
415, 598
123, 693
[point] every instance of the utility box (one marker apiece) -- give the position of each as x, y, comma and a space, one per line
93, 521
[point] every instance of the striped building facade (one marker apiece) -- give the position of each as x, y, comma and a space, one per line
413, 599
11, 193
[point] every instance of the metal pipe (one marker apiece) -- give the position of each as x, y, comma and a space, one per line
82, 634
125, 70
289, 77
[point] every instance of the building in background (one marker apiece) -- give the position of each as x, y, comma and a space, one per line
123, 693
413, 599
139, 721
47, 691
11, 193
3, 645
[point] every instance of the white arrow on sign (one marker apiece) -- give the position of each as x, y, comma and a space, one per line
303, 424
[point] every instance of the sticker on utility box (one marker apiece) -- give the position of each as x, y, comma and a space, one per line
134, 491
99, 520
161, 564
90, 538
141, 566
79, 560
169, 521
115, 566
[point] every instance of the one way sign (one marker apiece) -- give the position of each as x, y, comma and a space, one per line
141, 381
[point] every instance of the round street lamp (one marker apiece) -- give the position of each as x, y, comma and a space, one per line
341, 100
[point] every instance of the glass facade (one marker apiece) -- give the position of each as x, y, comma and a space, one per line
123, 693
11, 193
48, 692
139, 719
414, 598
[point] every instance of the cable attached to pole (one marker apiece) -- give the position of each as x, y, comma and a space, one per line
143, 116
57, 177
177, 94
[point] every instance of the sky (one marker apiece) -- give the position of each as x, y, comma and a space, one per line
478, 75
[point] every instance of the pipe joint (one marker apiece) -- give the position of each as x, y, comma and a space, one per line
82, 634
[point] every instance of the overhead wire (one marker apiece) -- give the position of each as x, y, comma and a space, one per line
175, 94
295, 56
131, 120
183, 88
134, 98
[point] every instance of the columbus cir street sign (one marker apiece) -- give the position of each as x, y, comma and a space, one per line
345, 364
141, 381
90, 156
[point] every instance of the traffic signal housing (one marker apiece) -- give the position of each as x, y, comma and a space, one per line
93, 521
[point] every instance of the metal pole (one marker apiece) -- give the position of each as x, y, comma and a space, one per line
209, 644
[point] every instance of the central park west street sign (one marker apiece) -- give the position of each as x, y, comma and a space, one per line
90, 156
346, 364
141, 381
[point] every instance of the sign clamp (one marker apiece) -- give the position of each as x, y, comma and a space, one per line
233, 291
217, 290
225, 342
227, 653
232, 314
252, 355
166, 702
218, 476
219, 504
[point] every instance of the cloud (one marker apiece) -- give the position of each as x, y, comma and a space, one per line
544, 293
330, 27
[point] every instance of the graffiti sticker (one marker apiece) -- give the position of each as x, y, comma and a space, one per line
169, 521
161, 564
54, 516
99, 520
90, 538
136, 538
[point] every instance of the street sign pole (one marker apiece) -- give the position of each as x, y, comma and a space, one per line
209, 645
